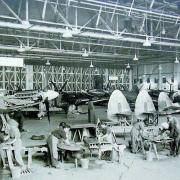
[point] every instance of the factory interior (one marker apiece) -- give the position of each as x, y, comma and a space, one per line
90, 89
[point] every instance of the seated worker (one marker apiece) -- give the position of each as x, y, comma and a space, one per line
15, 134
108, 136
105, 135
174, 132
13, 146
57, 136
136, 135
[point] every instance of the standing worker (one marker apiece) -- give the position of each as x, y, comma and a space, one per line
46, 102
57, 136
18, 116
174, 134
136, 135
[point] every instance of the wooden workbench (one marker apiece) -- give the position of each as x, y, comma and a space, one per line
77, 130
153, 143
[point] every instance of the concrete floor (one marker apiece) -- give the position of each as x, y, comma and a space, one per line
134, 167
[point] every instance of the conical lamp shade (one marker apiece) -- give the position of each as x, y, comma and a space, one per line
176, 61
85, 54
67, 33
135, 58
147, 42
91, 65
128, 66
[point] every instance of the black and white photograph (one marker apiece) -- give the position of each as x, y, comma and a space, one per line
89, 89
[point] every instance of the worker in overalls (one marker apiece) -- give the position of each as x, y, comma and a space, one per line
174, 130
136, 135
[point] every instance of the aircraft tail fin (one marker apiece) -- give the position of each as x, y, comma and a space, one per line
164, 102
117, 105
144, 103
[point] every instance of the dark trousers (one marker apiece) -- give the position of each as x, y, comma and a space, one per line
20, 124
175, 144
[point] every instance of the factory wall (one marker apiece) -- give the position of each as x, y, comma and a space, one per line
78, 78
157, 76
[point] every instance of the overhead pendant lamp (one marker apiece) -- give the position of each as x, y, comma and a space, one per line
135, 58
176, 61
67, 33
147, 43
163, 31
48, 63
85, 54
128, 66
21, 48
91, 65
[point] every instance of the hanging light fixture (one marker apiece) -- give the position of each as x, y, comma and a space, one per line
24, 66
176, 61
128, 66
135, 58
21, 48
48, 63
147, 43
163, 32
85, 54
67, 33
91, 65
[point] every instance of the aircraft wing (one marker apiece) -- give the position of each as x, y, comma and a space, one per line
173, 107
8, 104
12, 108
18, 102
100, 101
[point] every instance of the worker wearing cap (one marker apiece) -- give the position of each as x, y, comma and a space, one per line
57, 136
174, 132
175, 135
105, 134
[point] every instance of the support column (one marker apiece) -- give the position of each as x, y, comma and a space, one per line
29, 77
145, 74
160, 77
106, 77
45, 77
177, 74
3, 78
130, 80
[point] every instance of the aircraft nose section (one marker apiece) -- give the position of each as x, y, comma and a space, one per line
50, 95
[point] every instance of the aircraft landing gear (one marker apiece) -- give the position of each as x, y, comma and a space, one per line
152, 119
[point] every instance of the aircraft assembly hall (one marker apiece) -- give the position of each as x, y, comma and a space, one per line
90, 89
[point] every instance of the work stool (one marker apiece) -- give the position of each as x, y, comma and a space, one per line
63, 155
138, 146
32, 150
120, 150
8, 153
104, 151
